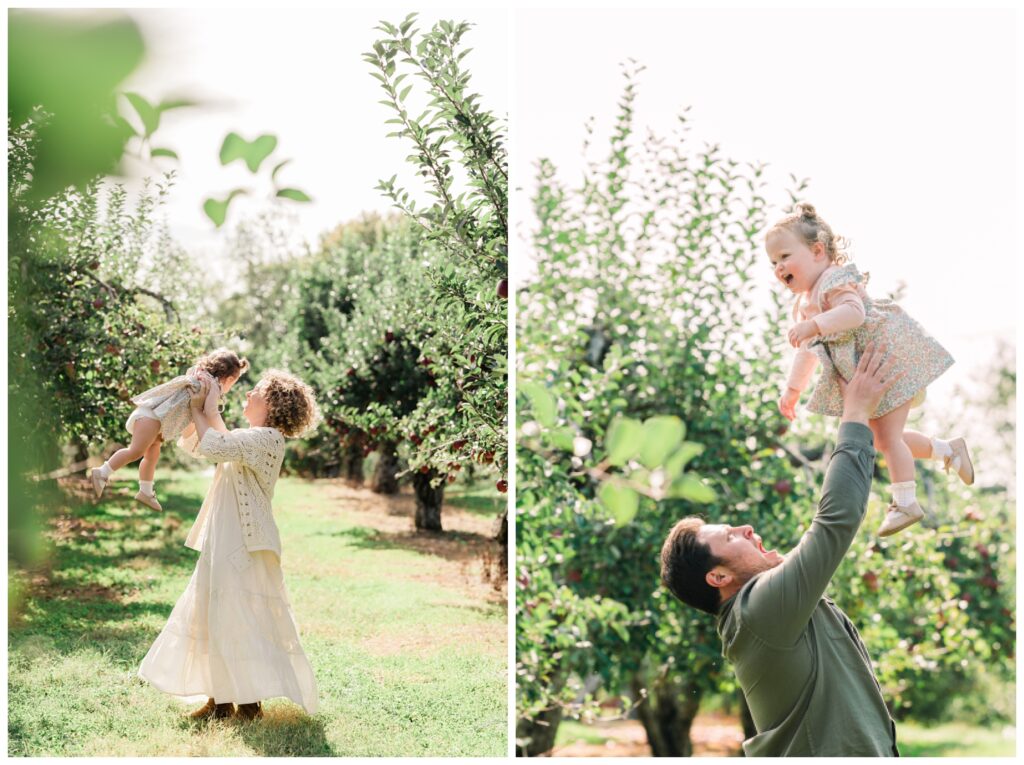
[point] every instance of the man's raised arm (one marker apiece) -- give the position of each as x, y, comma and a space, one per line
783, 598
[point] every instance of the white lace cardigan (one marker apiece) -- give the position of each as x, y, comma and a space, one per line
251, 459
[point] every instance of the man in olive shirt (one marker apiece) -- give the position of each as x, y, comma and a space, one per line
801, 664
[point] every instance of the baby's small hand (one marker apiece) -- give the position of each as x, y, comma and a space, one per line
802, 331
787, 403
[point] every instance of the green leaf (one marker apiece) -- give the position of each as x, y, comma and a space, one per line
251, 152
277, 168
544, 404
675, 464
692, 489
621, 501
174, 103
147, 113
625, 436
217, 209
164, 153
294, 194
661, 435
561, 438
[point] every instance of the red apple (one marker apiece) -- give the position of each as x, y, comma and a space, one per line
503, 289
871, 580
351, 372
98, 303
424, 469
502, 485
155, 365
452, 477
457, 445
783, 486
389, 336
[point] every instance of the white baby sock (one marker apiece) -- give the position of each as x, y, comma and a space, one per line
106, 470
146, 487
940, 449
904, 492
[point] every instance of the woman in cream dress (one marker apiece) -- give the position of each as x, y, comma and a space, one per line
232, 636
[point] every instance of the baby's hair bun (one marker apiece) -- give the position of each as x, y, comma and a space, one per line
806, 210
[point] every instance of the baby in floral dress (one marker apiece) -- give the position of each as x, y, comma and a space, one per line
835, 320
162, 414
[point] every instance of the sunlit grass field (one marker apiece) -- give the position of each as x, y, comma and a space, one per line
407, 642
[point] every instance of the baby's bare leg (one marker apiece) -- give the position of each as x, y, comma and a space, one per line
147, 468
144, 433
919, 444
888, 430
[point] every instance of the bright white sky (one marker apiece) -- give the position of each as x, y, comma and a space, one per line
299, 74
903, 120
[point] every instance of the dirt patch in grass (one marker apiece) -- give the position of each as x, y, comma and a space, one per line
429, 642
466, 551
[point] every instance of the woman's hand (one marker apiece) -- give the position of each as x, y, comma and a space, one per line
213, 396
788, 402
199, 397
804, 330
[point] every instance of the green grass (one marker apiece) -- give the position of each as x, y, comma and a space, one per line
948, 740
953, 740
406, 662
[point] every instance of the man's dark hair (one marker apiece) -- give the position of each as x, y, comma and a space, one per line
685, 562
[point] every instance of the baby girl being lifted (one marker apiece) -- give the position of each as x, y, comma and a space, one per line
162, 414
835, 320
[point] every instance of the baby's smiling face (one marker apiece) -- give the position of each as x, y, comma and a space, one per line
795, 264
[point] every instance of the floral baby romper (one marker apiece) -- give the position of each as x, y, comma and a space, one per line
918, 355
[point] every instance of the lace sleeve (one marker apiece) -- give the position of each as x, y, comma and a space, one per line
232, 446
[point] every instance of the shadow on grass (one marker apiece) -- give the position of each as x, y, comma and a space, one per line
286, 732
458, 546
79, 598
482, 502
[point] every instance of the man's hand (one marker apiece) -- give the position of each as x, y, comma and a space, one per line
804, 330
868, 384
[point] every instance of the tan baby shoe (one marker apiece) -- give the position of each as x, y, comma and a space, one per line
98, 481
960, 461
898, 518
149, 500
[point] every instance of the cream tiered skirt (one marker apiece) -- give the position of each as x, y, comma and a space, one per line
232, 635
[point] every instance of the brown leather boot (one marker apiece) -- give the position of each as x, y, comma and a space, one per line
249, 711
214, 710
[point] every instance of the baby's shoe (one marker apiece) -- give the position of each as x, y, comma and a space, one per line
898, 518
98, 481
149, 500
960, 461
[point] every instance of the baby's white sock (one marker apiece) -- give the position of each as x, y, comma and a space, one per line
146, 487
106, 470
904, 492
940, 449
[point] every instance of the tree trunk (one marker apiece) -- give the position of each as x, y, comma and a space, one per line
749, 730
537, 736
352, 464
384, 479
428, 501
501, 535
667, 714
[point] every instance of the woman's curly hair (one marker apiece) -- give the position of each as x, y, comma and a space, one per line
291, 404
223, 363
